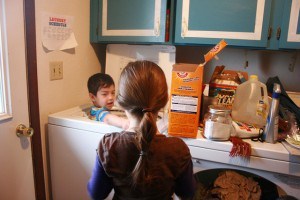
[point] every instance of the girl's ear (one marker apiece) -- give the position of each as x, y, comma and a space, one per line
92, 97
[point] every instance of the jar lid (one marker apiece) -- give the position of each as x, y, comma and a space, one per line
219, 109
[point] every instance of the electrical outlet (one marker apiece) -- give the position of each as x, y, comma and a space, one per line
56, 70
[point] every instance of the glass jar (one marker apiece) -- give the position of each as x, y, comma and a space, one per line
217, 123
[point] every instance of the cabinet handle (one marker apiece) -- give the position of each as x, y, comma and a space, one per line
270, 33
184, 28
278, 33
157, 28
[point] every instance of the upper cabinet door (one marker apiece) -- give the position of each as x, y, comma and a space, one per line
290, 26
240, 23
128, 21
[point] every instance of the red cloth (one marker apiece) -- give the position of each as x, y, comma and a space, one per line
239, 147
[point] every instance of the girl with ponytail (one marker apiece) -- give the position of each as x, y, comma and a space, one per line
140, 162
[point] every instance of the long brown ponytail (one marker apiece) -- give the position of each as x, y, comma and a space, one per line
143, 92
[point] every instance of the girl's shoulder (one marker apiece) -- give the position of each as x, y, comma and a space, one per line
173, 144
110, 139
171, 140
122, 134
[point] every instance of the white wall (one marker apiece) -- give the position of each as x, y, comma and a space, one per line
78, 63
264, 63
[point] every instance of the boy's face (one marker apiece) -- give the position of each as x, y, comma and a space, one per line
105, 97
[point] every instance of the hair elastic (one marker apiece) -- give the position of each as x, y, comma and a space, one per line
143, 153
147, 110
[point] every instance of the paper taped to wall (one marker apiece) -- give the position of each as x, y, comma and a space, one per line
57, 33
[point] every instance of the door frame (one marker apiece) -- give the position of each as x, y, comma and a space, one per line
33, 99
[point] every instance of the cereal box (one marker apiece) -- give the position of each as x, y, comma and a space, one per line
223, 84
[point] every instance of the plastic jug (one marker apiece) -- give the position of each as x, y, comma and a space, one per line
250, 103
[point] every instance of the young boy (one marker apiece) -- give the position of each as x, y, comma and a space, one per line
102, 93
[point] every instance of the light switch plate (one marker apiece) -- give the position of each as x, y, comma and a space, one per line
56, 70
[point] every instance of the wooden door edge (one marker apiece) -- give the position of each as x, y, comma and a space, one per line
33, 100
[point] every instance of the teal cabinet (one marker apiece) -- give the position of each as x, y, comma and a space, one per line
240, 23
288, 34
266, 24
128, 21
263, 24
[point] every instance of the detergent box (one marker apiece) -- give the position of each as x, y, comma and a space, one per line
185, 99
185, 96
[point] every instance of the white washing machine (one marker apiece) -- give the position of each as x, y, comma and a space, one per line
72, 142
73, 139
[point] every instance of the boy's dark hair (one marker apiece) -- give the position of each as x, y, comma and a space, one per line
98, 81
